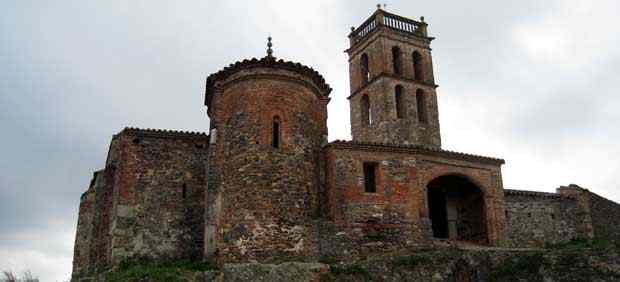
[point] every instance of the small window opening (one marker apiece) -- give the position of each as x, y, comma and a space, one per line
396, 59
365, 111
420, 98
365, 71
275, 132
136, 140
400, 104
184, 191
418, 69
370, 183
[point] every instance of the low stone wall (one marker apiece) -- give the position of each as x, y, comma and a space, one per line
356, 241
605, 216
535, 218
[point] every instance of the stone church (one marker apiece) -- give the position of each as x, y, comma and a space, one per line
265, 184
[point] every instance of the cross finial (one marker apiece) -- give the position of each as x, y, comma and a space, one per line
269, 50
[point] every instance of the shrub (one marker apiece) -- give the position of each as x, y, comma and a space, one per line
354, 269
409, 261
148, 271
527, 266
27, 276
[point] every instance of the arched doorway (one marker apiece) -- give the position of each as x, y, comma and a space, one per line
456, 209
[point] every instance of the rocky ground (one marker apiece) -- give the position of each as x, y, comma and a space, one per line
573, 261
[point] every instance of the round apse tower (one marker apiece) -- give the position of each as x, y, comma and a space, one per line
268, 122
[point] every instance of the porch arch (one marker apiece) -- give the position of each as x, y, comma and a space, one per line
457, 208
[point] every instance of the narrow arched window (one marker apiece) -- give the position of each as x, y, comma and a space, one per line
365, 71
396, 59
420, 99
275, 132
418, 66
401, 109
365, 111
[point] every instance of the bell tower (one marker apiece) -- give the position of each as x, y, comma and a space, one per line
393, 98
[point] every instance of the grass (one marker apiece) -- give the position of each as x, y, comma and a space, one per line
148, 271
410, 260
353, 269
581, 243
526, 266
328, 260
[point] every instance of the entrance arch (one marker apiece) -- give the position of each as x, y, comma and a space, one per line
456, 209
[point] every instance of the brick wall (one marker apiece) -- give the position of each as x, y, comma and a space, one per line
398, 211
261, 200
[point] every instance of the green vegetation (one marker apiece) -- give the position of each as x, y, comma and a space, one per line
376, 237
410, 260
581, 243
526, 267
148, 271
353, 269
328, 260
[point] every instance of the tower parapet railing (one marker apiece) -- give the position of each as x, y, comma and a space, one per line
389, 20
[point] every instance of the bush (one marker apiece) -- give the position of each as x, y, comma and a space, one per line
409, 261
354, 269
149, 271
581, 243
527, 266
27, 276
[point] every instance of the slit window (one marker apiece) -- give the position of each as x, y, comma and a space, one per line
420, 99
275, 132
396, 58
370, 177
365, 111
418, 69
365, 71
400, 103
184, 191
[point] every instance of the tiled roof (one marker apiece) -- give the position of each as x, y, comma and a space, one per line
383, 147
533, 193
162, 133
265, 62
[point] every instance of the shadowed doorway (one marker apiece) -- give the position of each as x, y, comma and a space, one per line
456, 209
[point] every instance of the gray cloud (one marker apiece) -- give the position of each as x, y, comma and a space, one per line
533, 82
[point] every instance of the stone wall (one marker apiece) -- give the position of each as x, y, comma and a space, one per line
361, 222
397, 214
147, 202
386, 126
84, 231
534, 219
605, 216
262, 199
159, 195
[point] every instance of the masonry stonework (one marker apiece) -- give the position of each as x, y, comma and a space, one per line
265, 185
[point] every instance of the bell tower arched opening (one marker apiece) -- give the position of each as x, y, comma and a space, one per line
456, 209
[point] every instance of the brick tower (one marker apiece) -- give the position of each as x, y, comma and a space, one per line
393, 98
268, 122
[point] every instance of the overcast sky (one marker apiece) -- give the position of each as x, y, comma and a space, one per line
533, 82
